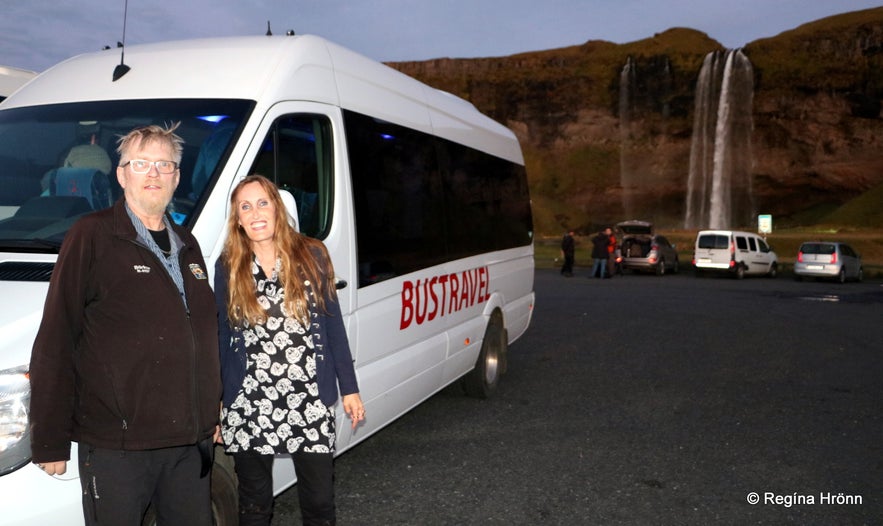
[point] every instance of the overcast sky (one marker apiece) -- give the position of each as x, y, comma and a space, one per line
34, 34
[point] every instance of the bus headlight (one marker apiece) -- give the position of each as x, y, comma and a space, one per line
15, 440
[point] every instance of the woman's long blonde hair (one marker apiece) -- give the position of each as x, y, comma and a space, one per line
302, 258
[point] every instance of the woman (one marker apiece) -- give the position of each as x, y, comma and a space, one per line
283, 353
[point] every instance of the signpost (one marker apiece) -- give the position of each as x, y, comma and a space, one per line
765, 224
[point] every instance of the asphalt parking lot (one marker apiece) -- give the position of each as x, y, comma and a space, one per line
645, 400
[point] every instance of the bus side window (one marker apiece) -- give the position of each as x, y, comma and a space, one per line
297, 156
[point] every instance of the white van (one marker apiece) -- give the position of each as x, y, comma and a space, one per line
740, 253
13, 78
421, 200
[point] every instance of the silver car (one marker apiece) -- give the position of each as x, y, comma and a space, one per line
641, 249
828, 259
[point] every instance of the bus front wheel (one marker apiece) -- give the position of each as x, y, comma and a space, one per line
481, 382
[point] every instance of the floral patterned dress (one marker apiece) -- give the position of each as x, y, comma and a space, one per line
278, 409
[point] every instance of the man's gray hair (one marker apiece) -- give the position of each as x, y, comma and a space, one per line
152, 133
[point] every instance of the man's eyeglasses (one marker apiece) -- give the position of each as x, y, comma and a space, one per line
140, 166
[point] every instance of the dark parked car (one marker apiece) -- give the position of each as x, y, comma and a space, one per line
645, 251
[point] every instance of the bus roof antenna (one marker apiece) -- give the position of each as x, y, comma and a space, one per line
122, 68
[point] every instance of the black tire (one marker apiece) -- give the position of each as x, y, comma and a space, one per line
740, 271
774, 271
841, 276
225, 496
676, 267
481, 382
861, 275
660, 267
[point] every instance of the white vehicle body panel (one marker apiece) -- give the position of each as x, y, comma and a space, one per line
12, 79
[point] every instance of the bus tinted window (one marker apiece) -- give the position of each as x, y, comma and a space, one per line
297, 155
488, 201
420, 200
397, 196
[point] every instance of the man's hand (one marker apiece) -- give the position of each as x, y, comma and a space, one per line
54, 468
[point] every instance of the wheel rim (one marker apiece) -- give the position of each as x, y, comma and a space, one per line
492, 360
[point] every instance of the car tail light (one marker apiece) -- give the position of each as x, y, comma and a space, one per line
800, 257
834, 258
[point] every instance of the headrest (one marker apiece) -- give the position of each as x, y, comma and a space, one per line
84, 182
88, 156
290, 207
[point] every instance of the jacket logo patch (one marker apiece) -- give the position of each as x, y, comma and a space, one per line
141, 269
197, 271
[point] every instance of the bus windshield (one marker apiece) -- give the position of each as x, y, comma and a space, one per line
58, 162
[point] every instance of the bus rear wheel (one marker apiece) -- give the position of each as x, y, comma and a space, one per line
481, 382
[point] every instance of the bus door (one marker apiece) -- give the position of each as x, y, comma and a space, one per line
300, 150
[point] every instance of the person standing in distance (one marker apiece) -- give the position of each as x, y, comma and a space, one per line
600, 253
611, 253
126, 358
568, 247
284, 352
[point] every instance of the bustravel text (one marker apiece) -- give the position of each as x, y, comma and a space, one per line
427, 299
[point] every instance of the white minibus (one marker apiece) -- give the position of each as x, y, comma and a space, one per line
13, 78
421, 200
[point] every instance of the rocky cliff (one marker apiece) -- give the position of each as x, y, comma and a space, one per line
605, 142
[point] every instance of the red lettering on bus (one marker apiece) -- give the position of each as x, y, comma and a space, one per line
430, 315
432, 298
455, 293
407, 305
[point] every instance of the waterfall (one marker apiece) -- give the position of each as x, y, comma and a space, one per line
626, 95
719, 191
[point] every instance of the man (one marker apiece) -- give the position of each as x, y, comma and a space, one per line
567, 252
126, 359
611, 253
599, 253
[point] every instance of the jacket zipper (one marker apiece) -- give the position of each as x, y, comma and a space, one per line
124, 426
193, 358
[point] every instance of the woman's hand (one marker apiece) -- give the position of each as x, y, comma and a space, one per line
352, 406
218, 439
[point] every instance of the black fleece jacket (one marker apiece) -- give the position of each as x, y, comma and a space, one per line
119, 362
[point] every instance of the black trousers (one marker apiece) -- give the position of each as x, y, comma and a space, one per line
119, 485
315, 487
567, 267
